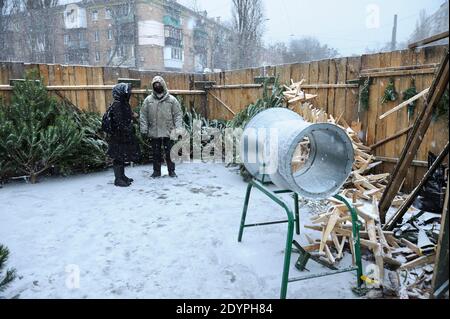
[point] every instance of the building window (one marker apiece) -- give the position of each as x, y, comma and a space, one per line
66, 39
96, 36
97, 56
175, 33
132, 51
177, 54
121, 52
71, 16
109, 54
123, 10
108, 13
66, 59
110, 34
94, 15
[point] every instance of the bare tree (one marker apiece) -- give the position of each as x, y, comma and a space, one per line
275, 54
122, 27
4, 28
248, 26
27, 28
308, 49
219, 47
429, 25
422, 29
7, 10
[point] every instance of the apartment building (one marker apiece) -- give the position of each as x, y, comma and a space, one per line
146, 34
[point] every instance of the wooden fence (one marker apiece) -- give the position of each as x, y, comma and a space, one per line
89, 88
335, 81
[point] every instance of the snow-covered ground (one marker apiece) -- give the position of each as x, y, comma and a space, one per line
165, 238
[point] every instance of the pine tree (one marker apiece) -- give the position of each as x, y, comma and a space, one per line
90, 154
4, 162
6, 277
35, 130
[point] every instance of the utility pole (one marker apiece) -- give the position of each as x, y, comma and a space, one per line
394, 34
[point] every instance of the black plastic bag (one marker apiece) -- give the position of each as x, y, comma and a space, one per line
432, 195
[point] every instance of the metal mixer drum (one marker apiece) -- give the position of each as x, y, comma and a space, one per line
313, 160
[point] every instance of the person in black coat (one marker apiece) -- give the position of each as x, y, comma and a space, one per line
123, 145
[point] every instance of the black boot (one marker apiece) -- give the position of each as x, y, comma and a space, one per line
173, 174
156, 169
156, 175
124, 177
119, 180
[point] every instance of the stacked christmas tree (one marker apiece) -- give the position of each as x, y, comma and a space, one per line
6, 276
40, 134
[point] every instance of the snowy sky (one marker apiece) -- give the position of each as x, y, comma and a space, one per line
340, 24
348, 25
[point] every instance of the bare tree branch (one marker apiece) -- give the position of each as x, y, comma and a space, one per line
248, 25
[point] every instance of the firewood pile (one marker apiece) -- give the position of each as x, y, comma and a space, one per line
295, 94
364, 190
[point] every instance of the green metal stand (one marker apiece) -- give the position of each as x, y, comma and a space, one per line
294, 220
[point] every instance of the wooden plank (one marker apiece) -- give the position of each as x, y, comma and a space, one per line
81, 79
429, 40
378, 254
91, 94
440, 275
313, 76
391, 138
404, 104
352, 93
4, 77
372, 61
408, 57
396, 161
382, 126
404, 66
340, 94
284, 72
412, 197
391, 122
72, 81
421, 261
44, 72
399, 73
322, 98
421, 126
100, 95
432, 141
329, 228
332, 78
222, 103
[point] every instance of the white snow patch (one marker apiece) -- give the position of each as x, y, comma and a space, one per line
165, 238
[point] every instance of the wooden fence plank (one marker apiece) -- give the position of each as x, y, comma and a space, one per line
323, 78
81, 79
340, 95
352, 94
332, 78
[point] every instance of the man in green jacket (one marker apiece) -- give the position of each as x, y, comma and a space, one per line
160, 115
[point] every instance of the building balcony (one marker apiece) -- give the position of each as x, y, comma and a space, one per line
124, 19
172, 42
200, 49
76, 45
172, 21
200, 33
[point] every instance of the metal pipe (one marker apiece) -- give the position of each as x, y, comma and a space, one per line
272, 139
